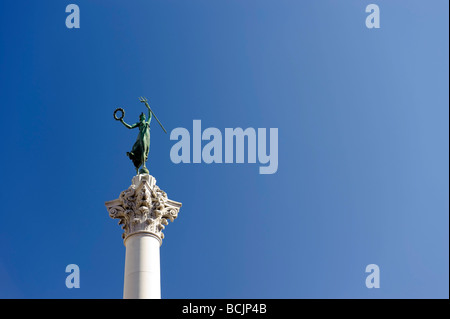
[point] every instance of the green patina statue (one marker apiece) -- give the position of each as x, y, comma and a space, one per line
139, 151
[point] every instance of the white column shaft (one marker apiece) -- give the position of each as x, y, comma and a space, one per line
142, 267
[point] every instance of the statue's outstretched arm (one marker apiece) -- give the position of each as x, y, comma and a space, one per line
128, 125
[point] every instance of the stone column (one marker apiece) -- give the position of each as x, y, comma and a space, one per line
143, 210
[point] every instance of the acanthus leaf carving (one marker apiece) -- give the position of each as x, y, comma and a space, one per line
143, 207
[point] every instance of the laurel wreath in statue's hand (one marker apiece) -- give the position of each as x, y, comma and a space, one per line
121, 117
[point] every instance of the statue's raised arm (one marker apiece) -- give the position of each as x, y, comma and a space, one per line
150, 113
144, 100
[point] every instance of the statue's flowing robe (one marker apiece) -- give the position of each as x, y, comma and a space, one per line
139, 152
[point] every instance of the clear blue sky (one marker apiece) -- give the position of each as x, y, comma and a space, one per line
363, 119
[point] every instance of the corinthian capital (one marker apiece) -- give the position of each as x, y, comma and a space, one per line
143, 207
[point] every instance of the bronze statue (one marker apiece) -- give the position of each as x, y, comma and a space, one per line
140, 149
